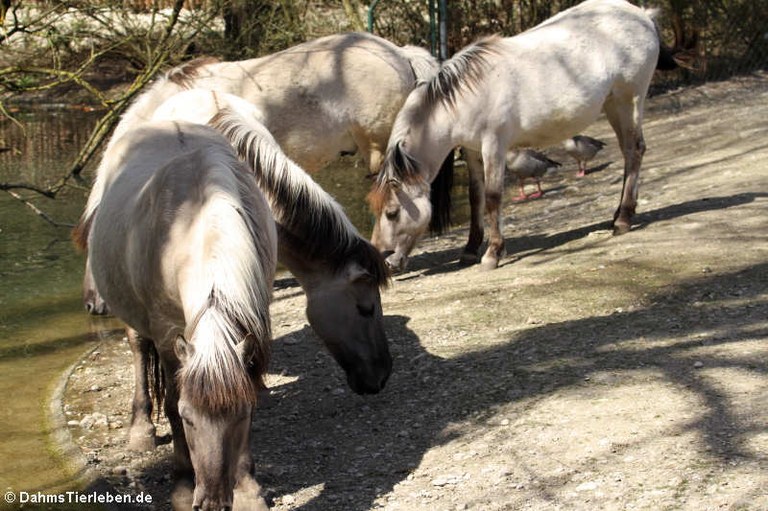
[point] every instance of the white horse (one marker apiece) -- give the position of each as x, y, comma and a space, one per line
183, 247
534, 89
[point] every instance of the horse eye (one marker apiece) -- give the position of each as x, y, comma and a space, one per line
392, 214
365, 310
187, 421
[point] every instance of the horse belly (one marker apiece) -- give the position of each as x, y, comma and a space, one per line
555, 106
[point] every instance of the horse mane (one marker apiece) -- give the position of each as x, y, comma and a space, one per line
231, 331
184, 74
461, 72
307, 216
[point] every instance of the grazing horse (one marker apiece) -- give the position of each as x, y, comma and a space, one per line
534, 89
183, 247
340, 271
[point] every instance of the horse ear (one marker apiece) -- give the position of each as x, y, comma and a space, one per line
183, 349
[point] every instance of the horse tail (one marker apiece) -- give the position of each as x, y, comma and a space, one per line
440, 196
685, 53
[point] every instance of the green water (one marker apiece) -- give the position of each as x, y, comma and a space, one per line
43, 328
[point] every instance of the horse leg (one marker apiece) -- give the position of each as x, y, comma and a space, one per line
371, 148
142, 433
625, 113
493, 160
247, 491
476, 201
182, 495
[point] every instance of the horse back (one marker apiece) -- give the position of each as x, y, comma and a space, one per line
558, 75
150, 237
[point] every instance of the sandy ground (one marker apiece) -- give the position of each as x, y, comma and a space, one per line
587, 372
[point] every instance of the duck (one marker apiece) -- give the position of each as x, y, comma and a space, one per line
583, 148
525, 163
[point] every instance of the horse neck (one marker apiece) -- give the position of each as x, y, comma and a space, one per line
431, 140
309, 272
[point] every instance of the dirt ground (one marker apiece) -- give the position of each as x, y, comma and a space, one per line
587, 372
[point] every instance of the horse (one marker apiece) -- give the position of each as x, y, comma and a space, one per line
534, 89
183, 247
330, 96
340, 272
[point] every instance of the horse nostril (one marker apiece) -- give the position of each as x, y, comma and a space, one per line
89, 307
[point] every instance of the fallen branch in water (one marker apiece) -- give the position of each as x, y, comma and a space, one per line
42, 214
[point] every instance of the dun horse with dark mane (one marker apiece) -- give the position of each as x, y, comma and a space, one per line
183, 247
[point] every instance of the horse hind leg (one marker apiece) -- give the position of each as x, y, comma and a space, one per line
625, 112
142, 433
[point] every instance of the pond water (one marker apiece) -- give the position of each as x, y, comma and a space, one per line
43, 328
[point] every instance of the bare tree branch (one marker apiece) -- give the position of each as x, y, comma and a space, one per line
37, 210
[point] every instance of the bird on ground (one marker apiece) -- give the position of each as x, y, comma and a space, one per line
527, 163
583, 148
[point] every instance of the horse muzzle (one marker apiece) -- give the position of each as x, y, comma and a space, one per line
396, 261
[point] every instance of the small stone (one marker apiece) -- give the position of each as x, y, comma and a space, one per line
587, 486
119, 470
698, 364
445, 480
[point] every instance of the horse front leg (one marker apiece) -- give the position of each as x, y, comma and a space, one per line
182, 495
141, 436
493, 161
247, 491
471, 252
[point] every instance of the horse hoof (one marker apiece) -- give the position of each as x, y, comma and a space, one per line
621, 228
489, 263
142, 440
248, 497
182, 495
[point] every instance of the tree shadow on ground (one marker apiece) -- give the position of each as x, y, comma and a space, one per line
359, 448
446, 260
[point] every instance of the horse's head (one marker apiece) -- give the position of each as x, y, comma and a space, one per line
215, 406
344, 309
403, 212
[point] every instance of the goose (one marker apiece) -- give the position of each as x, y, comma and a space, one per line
526, 163
583, 148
